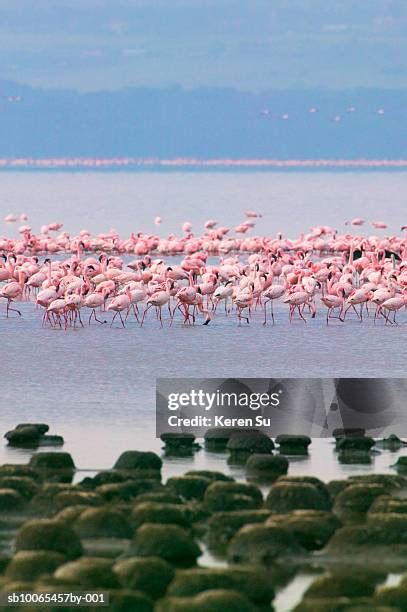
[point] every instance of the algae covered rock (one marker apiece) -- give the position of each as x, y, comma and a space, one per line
189, 487
224, 496
316, 482
179, 443
170, 542
46, 534
287, 496
217, 438
401, 465
138, 460
153, 512
57, 466
292, 444
356, 499
30, 564
23, 435
249, 442
129, 601
386, 503
266, 468
75, 497
395, 597
103, 522
210, 475
151, 575
355, 443
262, 544
89, 572
222, 526
348, 584
311, 528
25, 486
209, 601
128, 490
11, 500
253, 582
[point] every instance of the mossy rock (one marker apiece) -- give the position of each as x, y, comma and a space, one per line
175, 441
392, 596
293, 445
152, 512
354, 501
355, 443
287, 496
104, 522
222, 526
224, 496
69, 515
401, 465
316, 482
11, 500
104, 477
159, 497
392, 443
89, 572
249, 442
266, 468
208, 601
311, 528
210, 475
51, 440
77, 497
348, 432
151, 575
217, 438
253, 582
340, 585
44, 502
391, 482
381, 530
262, 544
138, 460
46, 534
390, 527
129, 601
27, 487
354, 457
337, 486
18, 469
189, 487
128, 490
42, 428
331, 604
54, 466
31, 564
386, 503
170, 542
52, 461
23, 436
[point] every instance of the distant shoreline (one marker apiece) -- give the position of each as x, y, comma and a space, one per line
154, 164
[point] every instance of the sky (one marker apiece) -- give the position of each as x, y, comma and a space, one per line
93, 45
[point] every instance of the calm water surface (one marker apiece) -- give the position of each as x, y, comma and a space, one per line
96, 386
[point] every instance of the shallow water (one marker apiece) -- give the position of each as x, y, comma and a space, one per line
96, 386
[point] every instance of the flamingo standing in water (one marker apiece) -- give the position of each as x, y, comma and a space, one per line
119, 304
272, 293
13, 290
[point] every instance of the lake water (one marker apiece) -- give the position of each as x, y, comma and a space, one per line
96, 386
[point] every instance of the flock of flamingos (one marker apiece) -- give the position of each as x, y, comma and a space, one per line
222, 272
